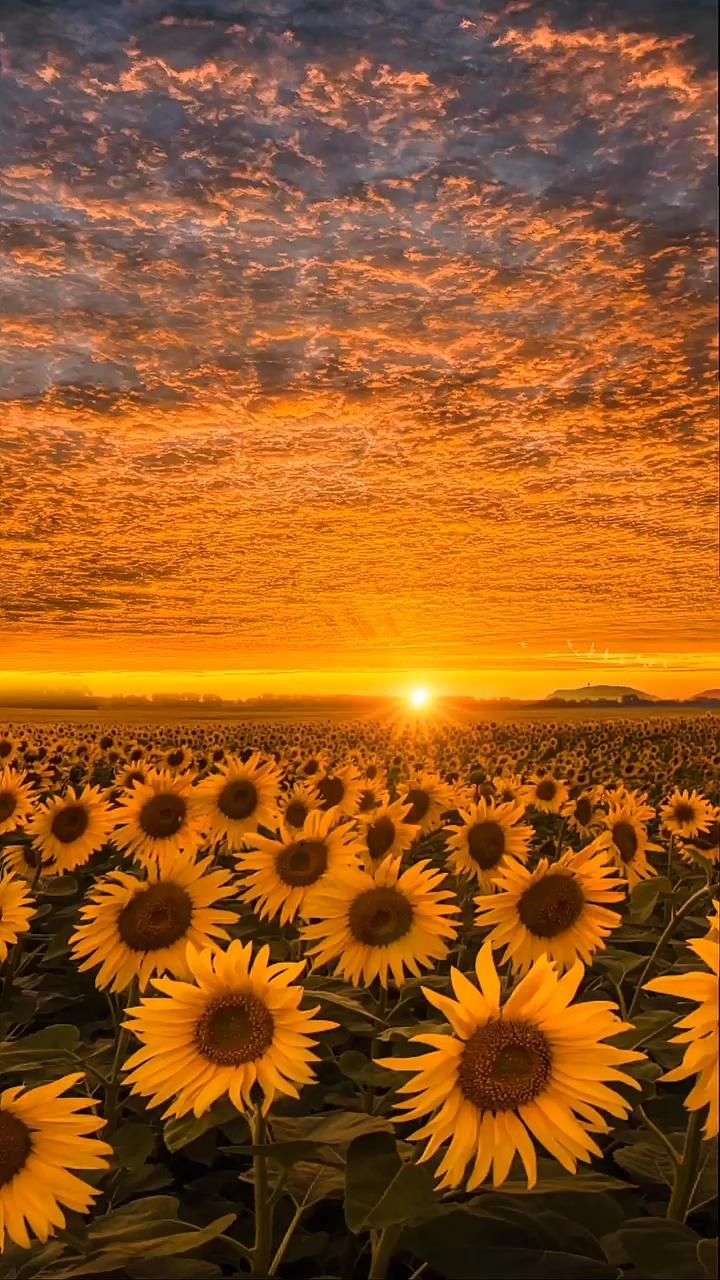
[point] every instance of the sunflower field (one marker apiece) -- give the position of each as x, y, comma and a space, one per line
360, 1000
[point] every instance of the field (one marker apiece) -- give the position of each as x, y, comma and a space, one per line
346, 999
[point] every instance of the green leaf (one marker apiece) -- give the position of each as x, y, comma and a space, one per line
552, 1178
133, 1144
343, 1002
647, 1162
171, 1269
330, 1127
707, 1252
133, 1219
58, 887
645, 895
380, 1190
184, 1242
456, 1244
706, 1188
647, 1027
661, 1249
179, 1133
287, 1154
359, 1068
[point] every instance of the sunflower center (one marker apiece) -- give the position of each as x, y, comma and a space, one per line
332, 791
175, 757
234, 1029
70, 823
303, 862
158, 916
8, 805
311, 767
380, 836
15, 1146
545, 790
368, 800
238, 799
296, 813
486, 844
551, 905
5, 749
419, 802
625, 840
684, 812
163, 815
504, 1065
371, 772
583, 810
380, 916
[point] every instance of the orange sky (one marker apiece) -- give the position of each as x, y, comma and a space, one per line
342, 354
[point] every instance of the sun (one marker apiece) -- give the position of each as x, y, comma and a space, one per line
419, 698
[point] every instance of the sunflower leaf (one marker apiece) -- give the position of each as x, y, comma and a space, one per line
380, 1190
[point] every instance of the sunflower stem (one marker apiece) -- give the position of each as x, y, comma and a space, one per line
383, 1244
294, 1221
666, 934
662, 1137
263, 1208
686, 1172
122, 1040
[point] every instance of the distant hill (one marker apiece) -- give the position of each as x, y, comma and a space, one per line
606, 692
708, 695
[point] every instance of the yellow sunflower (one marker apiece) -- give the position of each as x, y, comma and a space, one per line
340, 790
558, 910
8, 750
241, 797
380, 924
707, 843
159, 817
16, 800
176, 759
69, 829
278, 873
507, 788
532, 1070
686, 813
700, 1030
237, 1025
17, 909
138, 928
24, 860
385, 832
490, 833
429, 799
43, 1137
582, 812
545, 793
297, 803
627, 840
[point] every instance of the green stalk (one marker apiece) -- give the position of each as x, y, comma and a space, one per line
383, 1244
667, 933
686, 1172
262, 1250
122, 1041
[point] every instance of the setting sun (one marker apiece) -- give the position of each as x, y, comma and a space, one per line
419, 698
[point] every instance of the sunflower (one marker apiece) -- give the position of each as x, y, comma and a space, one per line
558, 910
43, 1137
489, 834
341, 790
700, 1029
295, 804
69, 829
383, 923
429, 799
707, 843
545, 793
371, 797
24, 860
176, 759
278, 873
627, 839
138, 928
8, 750
16, 800
241, 797
385, 832
686, 813
535, 1068
16, 911
238, 1024
507, 788
159, 817
582, 812
131, 774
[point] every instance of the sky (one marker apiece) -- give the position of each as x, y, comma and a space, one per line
351, 344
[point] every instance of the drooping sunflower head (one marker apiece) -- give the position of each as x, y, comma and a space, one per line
429, 799
626, 837
26, 861
341, 790
559, 909
42, 1137
159, 817
277, 874
490, 833
69, 829
135, 928
380, 924
706, 843
506, 1077
581, 812
239, 1026
17, 909
239, 798
16, 800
